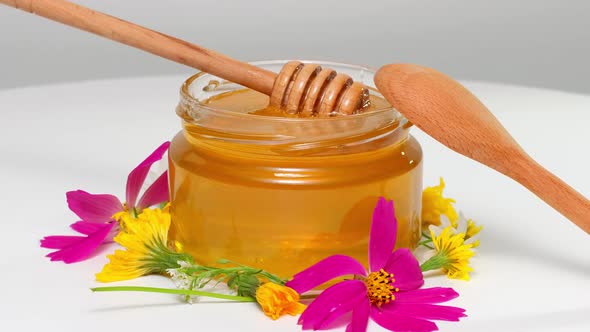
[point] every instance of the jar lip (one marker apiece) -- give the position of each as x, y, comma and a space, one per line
187, 97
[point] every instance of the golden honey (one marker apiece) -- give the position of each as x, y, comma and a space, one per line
281, 193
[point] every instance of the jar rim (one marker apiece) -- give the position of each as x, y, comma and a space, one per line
188, 98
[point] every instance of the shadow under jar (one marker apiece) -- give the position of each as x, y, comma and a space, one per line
281, 193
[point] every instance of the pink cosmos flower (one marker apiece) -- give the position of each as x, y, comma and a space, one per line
388, 293
97, 225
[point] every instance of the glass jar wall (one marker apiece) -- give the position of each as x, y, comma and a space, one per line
281, 193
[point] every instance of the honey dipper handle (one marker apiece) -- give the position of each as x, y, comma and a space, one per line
150, 41
554, 191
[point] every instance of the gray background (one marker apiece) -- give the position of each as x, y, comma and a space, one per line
543, 43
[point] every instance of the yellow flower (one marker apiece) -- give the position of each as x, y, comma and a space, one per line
472, 232
145, 240
452, 254
434, 204
123, 217
467, 227
277, 300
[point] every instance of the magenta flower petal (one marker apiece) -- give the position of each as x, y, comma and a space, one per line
427, 295
85, 227
332, 303
396, 322
137, 176
93, 208
360, 316
347, 305
82, 248
325, 270
405, 269
156, 193
59, 241
383, 234
426, 311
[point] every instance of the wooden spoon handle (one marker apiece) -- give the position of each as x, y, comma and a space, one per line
554, 191
150, 41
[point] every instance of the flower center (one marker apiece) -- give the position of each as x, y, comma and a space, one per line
380, 287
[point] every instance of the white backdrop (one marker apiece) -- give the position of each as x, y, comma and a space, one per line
531, 42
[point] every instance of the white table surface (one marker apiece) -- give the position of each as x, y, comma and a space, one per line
532, 272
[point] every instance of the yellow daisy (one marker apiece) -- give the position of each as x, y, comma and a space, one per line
467, 227
472, 233
451, 254
434, 205
145, 240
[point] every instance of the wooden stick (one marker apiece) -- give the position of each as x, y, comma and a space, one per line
150, 41
336, 94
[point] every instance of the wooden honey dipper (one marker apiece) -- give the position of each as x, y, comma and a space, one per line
434, 102
301, 88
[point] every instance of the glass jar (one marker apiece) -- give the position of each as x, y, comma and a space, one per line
282, 193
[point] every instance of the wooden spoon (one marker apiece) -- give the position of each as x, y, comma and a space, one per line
452, 115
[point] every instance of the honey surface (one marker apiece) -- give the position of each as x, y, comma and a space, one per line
284, 212
253, 102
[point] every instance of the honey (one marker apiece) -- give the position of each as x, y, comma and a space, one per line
281, 193
252, 102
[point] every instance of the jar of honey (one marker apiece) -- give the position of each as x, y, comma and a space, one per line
280, 192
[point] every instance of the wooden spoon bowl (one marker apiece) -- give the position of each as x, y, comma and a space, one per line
452, 115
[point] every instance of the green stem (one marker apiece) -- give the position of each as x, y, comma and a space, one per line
434, 263
271, 277
425, 242
172, 291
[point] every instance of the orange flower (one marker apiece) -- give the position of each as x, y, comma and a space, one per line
277, 300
